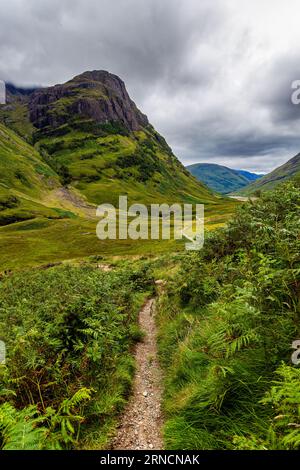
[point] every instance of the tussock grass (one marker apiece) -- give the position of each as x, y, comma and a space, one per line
226, 323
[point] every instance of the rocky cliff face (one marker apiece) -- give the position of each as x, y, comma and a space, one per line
98, 95
14, 93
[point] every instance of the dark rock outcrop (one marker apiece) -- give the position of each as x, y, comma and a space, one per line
98, 95
19, 94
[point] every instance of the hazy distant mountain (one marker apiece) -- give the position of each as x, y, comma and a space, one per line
285, 172
220, 178
250, 176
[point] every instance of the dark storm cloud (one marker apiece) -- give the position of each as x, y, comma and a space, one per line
213, 76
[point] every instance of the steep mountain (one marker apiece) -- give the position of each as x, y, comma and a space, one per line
92, 134
13, 92
220, 178
98, 96
287, 171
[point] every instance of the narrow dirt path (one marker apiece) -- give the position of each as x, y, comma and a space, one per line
140, 426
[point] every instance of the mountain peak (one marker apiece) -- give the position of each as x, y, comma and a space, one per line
93, 95
97, 76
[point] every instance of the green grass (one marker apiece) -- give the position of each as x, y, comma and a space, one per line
71, 335
39, 242
227, 320
16, 117
289, 171
21, 167
40, 223
24, 178
219, 178
138, 165
42, 241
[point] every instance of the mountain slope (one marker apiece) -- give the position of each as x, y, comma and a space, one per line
249, 176
29, 188
15, 113
220, 178
287, 171
93, 135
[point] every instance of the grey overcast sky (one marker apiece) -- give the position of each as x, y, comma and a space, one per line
213, 76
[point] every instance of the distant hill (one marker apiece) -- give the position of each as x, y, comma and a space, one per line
220, 178
285, 172
250, 176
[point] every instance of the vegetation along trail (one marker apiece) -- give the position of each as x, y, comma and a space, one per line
140, 426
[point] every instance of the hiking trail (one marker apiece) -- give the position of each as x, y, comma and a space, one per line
141, 421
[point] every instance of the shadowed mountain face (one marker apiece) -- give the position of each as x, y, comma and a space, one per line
96, 95
15, 113
220, 178
249, 176
287, 171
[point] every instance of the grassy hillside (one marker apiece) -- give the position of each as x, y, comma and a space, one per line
16, 117
220, 178
138, 164
227, 321
285, 172
43, 222
25, 180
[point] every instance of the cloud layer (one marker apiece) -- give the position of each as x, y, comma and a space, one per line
213, 76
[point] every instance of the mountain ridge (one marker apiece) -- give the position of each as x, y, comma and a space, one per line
285, 172
220, 178
64, 151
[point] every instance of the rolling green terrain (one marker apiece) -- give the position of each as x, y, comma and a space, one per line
43, 221
288, 171
220, 178
30, 188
